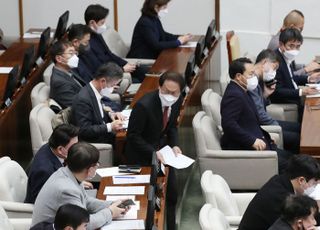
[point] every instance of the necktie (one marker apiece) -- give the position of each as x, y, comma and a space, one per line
165, 117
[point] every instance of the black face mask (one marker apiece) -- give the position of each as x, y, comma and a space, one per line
83, 48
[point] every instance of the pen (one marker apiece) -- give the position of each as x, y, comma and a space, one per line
125, 177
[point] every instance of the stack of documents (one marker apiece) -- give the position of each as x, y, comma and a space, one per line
181, 161
112, 171
133, 88
35, 34
124, 190
5, 70
126, 113
124, 225
131, 179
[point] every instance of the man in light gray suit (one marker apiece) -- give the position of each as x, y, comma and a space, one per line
64, 186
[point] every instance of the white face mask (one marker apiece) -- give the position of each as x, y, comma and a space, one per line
163, 12
91, 174
167, 99
73, 61
106, 91
269, 75
309, 190
101, 29
291, 54
252, 83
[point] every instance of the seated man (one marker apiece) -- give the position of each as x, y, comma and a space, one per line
239, 117
68, 217
49, 158
88, 113
297, 212
266, 66
64, 187
95, 17
64, 83
301, 177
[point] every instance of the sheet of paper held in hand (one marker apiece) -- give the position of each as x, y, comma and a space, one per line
180, 162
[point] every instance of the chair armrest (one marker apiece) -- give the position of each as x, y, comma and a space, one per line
276, 112
243, 200
20, 223
239, 154
114, 97
16, 206
290, 111
141, 61
233, 220
275, 129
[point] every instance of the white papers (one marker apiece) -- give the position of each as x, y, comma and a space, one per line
124, 225
126, 113
181, 161
313, 95
112, 171
5, 70
131, 179
113, 198
132, 214
189, 45
122, 190
317, 86
35, 34
133, 88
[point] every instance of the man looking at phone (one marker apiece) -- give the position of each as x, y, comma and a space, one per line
266, 65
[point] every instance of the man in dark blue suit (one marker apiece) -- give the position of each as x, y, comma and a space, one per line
239, 118
50, 158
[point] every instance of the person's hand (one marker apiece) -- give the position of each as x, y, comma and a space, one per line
268, 90
259, 144
160, 157
87, 185
309, 91
128, 68
116, 211
185, 38
314, 77
311, 66
176, 150
116, 125
117, 116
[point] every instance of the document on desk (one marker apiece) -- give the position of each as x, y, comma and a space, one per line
189, 45
313, 95
111, 171
124, 190
35, 34
131, 179
133, 88
126, 113
132, 214
5, 70
179, 162
124, 225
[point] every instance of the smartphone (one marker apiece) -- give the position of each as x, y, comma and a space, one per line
126, 203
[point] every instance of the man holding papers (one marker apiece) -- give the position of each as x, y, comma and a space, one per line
152, 125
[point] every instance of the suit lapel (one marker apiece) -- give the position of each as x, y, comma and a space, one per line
283, 64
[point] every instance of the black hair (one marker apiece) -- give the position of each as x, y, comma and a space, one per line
70, 215
290, 34
58, 48
148, 6
95, 12
302, 165
62, 135
82, 156
238, 66
298, 207
78, 31
268, 54
172, 76
110, 70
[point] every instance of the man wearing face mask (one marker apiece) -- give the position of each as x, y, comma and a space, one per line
152, 125
301, 177
95, 17
287, 90
96, 124
265, 68
239, 117
64, 82
149, 38
64, 187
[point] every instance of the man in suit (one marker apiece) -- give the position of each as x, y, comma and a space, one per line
239, 118
153, 124
301, 177
95, 17
50, 158
64, 83
96, 124
64, 187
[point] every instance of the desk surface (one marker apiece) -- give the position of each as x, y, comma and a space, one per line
142, 213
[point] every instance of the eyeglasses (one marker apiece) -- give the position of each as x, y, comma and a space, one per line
70, 53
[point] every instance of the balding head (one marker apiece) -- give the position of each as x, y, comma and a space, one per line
295, 19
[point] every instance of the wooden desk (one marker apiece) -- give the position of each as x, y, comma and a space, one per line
310, 128
142, 213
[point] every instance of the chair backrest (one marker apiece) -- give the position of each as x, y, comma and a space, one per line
211, 218
224, 81
211, 102
47, 74
4, 159
40, 125
115, 42
13, 182
40, 93
4, 220
233, 46
217, 192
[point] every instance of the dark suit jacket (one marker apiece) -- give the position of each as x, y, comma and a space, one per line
280, 224
239, 120
149, 38
43, 226
264, 209
43, 165
63, 88
145, 135
285, 91
99, 47
85, 114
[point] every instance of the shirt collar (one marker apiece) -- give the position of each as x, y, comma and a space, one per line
96, 93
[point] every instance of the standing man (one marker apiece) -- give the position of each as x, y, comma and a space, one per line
152, 125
